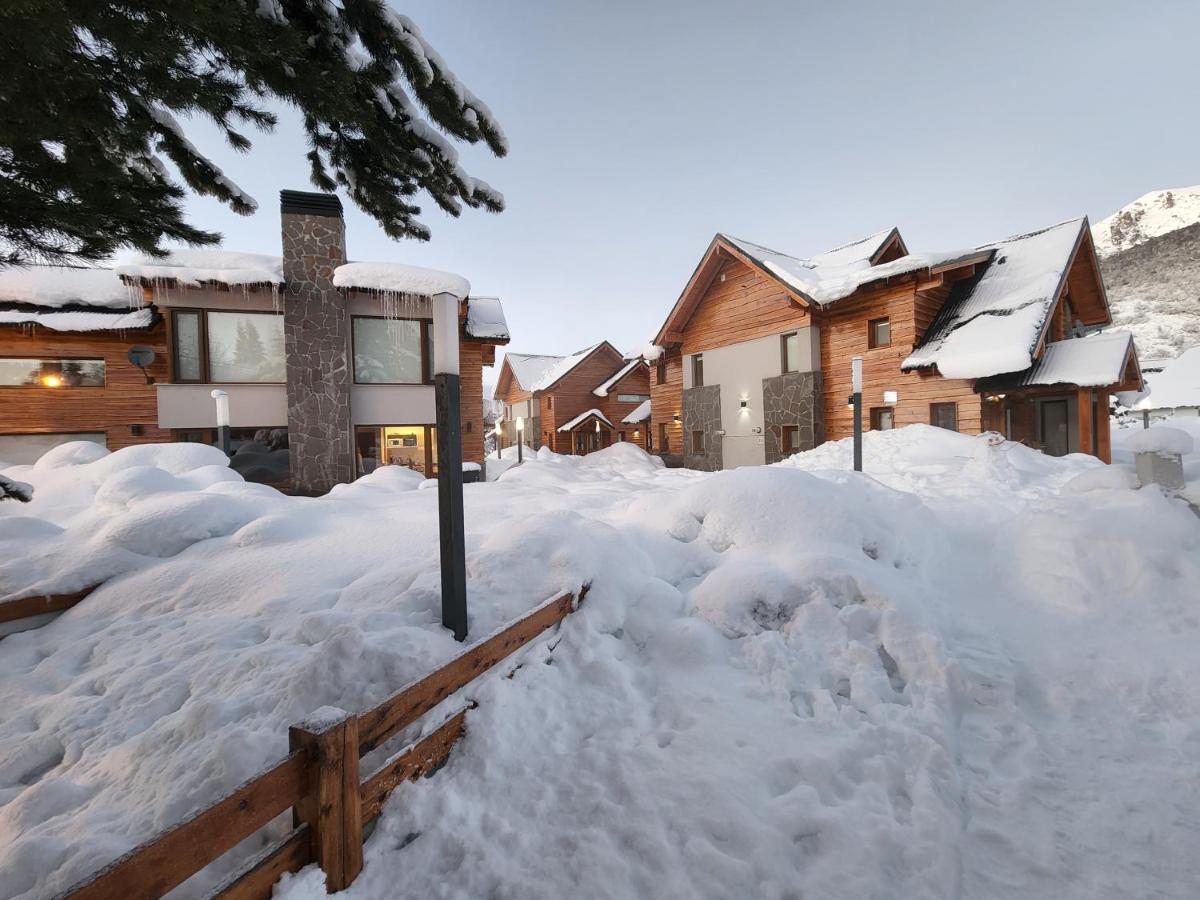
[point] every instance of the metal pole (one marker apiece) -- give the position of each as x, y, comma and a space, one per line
223, 439
520, 439
856, 401
450, 477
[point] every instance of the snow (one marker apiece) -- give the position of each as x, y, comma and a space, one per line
485, 318
1094, 361
528, 368
583, 417
557, 370
967, 672
993, 325
11, 489
58, 286
1149, 216
641, 414
1176, 386
603, 389
196, 267
75, 320
1159, 439
398, 278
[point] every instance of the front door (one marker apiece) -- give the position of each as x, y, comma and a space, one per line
1055, 427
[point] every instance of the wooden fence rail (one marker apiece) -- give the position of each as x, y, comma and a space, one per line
319, 780
27, 607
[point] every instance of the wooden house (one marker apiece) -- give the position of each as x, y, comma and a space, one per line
756, 355
65, 372
574, 404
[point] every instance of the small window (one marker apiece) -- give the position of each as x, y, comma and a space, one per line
632, 398
621, 437
661, 372
663, 443
791, 439
389, 351
697, 441
790, 349
698, 370
944, 415
550, 402
649, 438
879, 333
882, 418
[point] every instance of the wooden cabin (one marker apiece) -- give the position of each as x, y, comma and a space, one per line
574, 404
757, 352
65, 372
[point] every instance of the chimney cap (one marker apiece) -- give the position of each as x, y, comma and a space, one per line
310, 203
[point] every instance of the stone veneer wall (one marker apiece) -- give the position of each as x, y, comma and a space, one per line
316, 326
702, 412
793, 399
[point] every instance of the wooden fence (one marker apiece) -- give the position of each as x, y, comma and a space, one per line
319, 780
27, 607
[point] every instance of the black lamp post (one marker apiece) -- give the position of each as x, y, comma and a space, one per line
450, 477
856, 402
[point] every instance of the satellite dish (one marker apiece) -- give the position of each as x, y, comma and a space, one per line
142, 356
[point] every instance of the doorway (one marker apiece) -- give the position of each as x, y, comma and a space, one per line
1055, 422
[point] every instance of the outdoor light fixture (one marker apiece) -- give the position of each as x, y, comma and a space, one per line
51, 381
856, 403
675, 418
745, 404
597, 426
891, 397
520, 439
447, 393
222, 400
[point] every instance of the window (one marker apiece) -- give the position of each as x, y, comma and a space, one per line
51, 373
231, 347
697, 441
882, 418
790, 439
411, 446
663, 444
790, 349
661, 372
621, 437
632, 398
698, 370
390, 351
879, 333
649, 438
944, 415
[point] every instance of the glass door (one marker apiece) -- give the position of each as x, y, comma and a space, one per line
1055, 427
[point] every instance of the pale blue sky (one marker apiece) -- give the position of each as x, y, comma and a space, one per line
638, 129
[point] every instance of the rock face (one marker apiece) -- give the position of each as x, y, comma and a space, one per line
1147, 217
792, 399
316, 326
702, 413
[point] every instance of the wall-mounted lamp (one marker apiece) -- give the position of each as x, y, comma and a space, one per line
675, 418
891, 397
745, 404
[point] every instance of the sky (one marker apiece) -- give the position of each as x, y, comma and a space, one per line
640, 129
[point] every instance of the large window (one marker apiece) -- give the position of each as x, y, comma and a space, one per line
51, 373
391, 351
214, 346
411, 446
790, 349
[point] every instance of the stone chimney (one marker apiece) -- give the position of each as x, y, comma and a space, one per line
316, 324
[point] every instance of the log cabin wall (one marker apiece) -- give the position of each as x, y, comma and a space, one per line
740, 304
471, 359
666, 402
844, 336
636, 382
573, 395
125, 400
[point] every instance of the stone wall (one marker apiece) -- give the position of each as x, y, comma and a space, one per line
702, 412
317, 339
795, 398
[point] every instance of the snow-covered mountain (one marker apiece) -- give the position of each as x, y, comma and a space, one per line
1150, 260
1149, 216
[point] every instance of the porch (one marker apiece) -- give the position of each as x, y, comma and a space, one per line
588, 432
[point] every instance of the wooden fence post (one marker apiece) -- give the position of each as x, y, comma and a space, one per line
331, 807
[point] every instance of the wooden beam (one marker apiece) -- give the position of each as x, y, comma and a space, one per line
171, 857
24, 607
406, 706
417, 760
257, 880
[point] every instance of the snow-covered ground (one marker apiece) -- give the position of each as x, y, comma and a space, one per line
969, 673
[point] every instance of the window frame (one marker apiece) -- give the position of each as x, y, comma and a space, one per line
783, 352
876, 417
873, 342
697, 364
784, 431
426, 356
205, 366
943, 405
632, 398
664, 437
661, 372
698, 441
42, 360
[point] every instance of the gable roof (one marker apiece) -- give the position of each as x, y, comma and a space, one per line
641, 414
994, 322
1098, 360
528, 368
583, 417
605, 386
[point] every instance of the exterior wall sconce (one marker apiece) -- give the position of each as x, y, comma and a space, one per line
891, 397
745, 404
675, 418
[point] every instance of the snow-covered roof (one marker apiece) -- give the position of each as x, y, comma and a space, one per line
603, 389
79, 319
583, 417
1177, 385
528, 368
399, 278
485, 319
833, 276
992, 323
57, 286
197, 267
564, 365
1095, 361
641, 414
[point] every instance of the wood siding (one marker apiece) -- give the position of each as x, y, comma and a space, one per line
844, 336
470, 370
745, 306
125, 400
666, 402
573, 395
